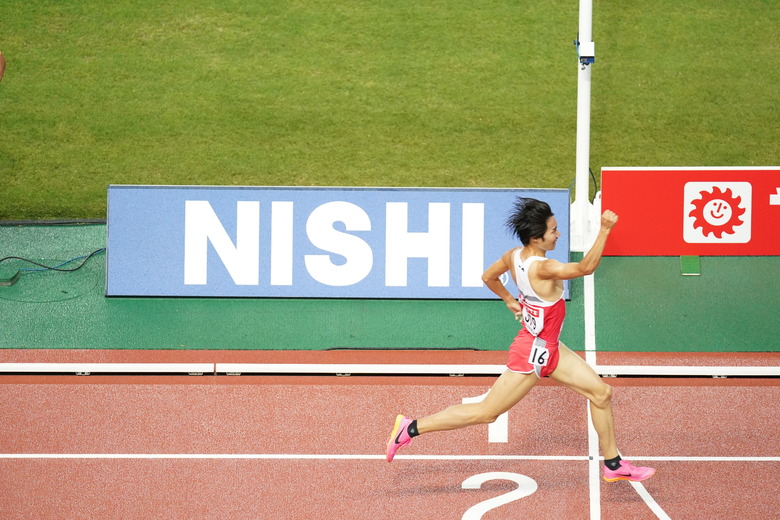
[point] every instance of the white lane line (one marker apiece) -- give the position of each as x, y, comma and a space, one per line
337, 456
282, 456
709, 459
650, 501
589, 310
647, 497
594, 469
594, 464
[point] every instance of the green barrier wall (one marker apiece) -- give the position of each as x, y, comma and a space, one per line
641, 304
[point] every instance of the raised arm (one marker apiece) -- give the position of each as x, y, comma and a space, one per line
554, 270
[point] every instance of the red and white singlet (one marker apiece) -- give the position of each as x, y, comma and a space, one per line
535, 349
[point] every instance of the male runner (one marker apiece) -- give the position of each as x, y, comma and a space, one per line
536, 351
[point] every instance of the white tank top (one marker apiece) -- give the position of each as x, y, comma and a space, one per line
527, 292
537, 313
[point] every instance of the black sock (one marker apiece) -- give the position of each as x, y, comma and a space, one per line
613, 464
413, 429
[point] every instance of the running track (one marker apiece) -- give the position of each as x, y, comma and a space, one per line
285, 447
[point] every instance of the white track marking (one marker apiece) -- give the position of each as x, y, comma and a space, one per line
339, 456
710, 459
647, 497
594, 464
589, 310
594, 470
498, 430
649, 500
281, 456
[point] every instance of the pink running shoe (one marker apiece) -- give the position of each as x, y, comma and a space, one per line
399, 437
627, 471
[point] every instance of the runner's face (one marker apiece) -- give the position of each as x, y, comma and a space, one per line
550, 238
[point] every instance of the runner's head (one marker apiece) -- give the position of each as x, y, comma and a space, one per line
529, 219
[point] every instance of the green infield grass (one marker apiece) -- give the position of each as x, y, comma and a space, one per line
455, 93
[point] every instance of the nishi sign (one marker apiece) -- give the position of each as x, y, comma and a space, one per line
693, 211
218, 241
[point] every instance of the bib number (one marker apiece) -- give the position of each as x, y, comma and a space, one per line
533, 319
540, 355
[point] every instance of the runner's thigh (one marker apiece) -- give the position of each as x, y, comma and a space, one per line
508, 389
573, 372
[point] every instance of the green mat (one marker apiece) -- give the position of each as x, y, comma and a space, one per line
646, 303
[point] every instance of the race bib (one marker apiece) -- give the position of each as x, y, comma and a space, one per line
540, 354
533, 319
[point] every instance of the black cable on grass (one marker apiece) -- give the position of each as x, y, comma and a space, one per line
58, 267
55, 222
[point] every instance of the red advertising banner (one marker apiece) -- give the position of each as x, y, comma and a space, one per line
693, 211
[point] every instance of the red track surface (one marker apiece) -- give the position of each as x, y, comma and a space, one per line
289, 427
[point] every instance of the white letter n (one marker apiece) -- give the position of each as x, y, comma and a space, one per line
202, 225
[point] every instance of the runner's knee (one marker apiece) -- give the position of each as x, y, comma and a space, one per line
603, 396
485, 416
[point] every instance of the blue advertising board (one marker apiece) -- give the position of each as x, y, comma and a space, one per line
289, 242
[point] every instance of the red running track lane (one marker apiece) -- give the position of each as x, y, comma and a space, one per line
321, 416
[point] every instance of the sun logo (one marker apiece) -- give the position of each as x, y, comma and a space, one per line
717, 212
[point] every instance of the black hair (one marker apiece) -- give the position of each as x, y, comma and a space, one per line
529, 219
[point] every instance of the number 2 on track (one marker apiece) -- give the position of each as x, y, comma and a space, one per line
525, 486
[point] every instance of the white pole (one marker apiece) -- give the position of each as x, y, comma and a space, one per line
581, 209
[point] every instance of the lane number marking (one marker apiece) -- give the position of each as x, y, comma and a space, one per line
525, 486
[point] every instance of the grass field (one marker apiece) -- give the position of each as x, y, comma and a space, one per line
367, 93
